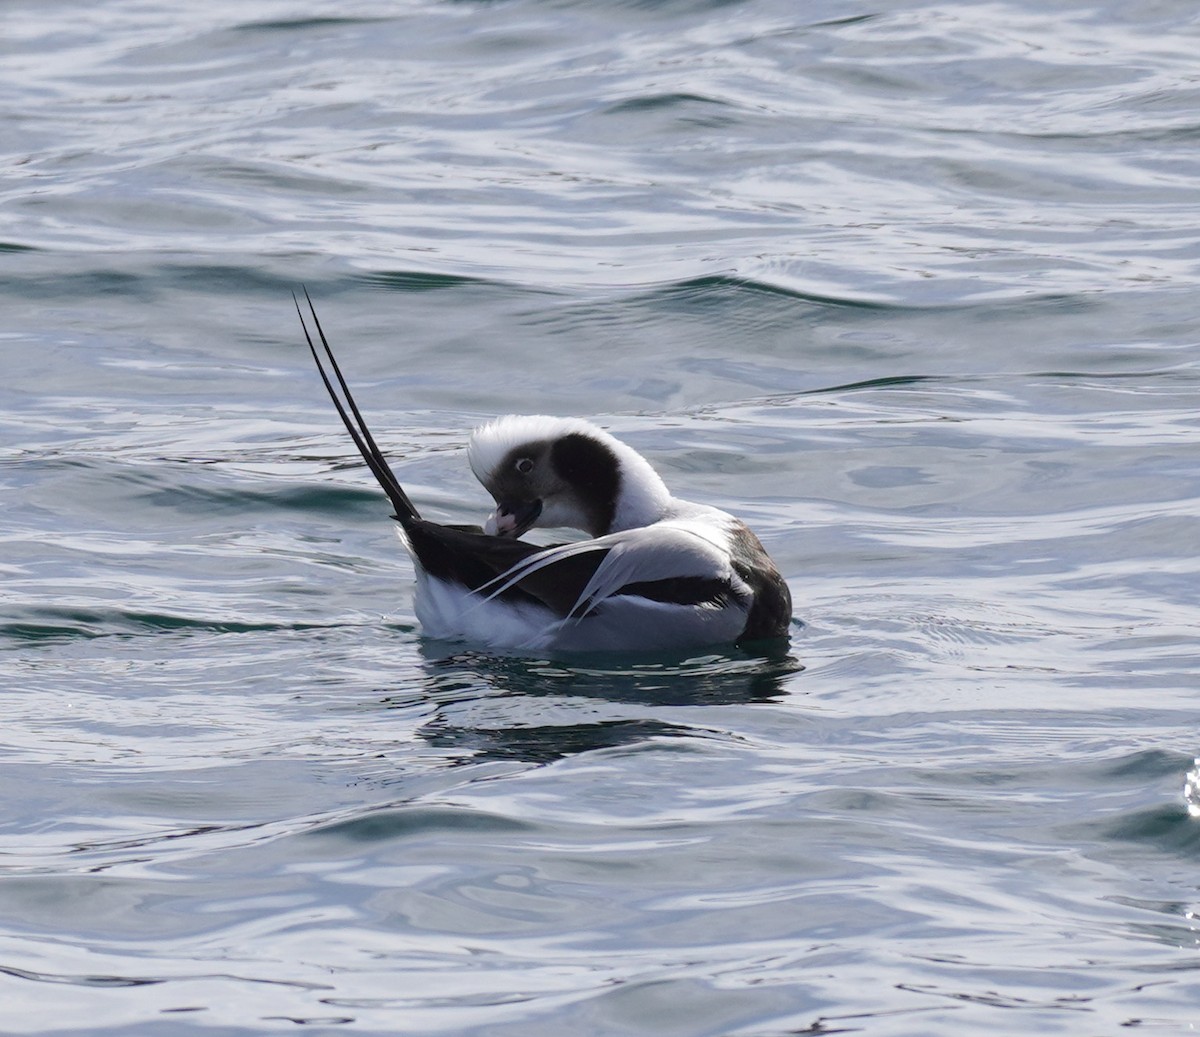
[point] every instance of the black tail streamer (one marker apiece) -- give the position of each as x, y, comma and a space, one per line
356, 426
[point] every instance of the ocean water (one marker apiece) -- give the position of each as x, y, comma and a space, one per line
914, 289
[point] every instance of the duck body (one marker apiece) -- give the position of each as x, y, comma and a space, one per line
656, 572
683, 582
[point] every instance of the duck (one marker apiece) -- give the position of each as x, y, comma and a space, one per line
655, 573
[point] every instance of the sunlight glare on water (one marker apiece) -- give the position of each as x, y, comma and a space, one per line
1191, 790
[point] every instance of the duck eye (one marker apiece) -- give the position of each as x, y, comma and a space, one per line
524, 465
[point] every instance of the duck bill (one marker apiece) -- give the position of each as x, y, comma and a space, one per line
511, 519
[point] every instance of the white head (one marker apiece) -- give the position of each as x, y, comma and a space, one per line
545, 471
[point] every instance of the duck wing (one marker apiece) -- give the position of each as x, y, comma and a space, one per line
499, 567
665, 563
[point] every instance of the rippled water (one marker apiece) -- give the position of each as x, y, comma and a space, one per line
911, 288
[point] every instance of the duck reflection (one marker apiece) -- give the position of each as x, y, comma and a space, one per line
539, 710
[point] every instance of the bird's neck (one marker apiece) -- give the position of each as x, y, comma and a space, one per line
643, 498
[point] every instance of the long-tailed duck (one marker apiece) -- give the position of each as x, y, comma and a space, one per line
658, 573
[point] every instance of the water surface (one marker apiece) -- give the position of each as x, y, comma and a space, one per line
911, 289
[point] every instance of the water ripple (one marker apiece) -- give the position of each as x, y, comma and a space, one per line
913, 291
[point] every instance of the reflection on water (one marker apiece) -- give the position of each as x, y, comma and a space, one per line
531, 704
720, 677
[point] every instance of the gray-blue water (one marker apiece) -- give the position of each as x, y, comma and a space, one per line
914, 289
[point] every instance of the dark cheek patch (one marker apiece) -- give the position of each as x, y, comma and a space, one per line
590, 468
507, 483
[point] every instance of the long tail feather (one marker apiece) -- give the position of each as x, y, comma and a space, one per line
357, 427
